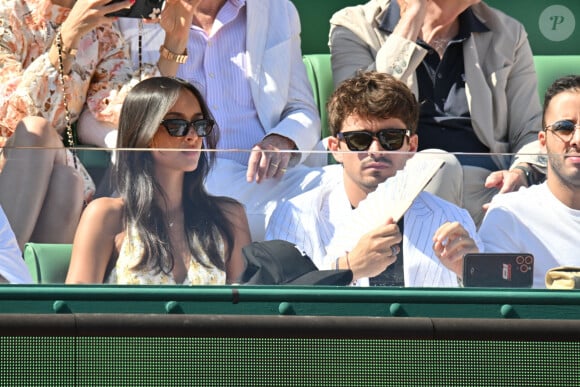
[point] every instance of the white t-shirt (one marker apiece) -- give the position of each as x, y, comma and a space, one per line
12, 266
533, 220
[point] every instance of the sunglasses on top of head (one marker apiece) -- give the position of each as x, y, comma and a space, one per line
178, 127
563, 129
360, 140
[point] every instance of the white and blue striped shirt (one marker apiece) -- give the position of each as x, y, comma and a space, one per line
317, 221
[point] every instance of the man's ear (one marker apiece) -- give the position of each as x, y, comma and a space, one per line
413, 143
542, 140
333, 145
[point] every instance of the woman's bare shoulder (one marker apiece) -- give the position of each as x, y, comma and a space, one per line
230, 207
107, 210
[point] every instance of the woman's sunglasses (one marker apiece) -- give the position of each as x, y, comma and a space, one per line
177, 127
563, 129
361, 140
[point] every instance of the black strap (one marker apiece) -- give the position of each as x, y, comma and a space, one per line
393, 275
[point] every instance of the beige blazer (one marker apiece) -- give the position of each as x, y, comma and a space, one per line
500, 77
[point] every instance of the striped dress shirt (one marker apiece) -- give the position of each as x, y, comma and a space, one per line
318, 222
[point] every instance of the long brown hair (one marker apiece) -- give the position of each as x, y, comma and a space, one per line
206, 225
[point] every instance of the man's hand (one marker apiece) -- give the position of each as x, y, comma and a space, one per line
505, 181
175, 19
265, 160
375, 251
411, 18
450, 243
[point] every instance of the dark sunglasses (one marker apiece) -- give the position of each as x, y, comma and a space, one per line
564, 129
360, 140
178, 127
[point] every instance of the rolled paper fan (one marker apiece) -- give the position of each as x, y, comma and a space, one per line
392, 198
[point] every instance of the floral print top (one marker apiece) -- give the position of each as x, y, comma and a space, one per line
131, 252
100, 77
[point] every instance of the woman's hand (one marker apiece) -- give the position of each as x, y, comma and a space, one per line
86, 15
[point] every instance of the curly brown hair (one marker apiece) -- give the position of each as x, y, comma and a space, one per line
374, 95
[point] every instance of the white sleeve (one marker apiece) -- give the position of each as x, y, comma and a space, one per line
12, 265
286, 223
494, 231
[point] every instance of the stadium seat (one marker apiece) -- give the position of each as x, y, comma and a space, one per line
320, 75
47, 263
551, 67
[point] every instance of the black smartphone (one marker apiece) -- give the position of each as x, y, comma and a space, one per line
498, 270
142, 9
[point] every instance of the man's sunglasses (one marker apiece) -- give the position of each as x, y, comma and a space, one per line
360, 140
563, 129
177, 127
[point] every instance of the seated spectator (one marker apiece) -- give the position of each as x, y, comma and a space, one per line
472, 70
164, 228
245, 57
544, 220
373, 119
12, 267
47, 47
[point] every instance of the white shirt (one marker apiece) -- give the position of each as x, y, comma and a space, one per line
12, 266
309, 219
315, 221
533, 220
219, 66
250, 71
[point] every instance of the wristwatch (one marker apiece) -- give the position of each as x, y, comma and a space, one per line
178, 58
529, 174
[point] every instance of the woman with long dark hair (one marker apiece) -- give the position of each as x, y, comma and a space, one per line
164, 228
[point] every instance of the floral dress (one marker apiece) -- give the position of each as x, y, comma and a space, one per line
30, 85
131, 252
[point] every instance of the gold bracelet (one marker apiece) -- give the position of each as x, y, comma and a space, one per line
72, 52
178, 58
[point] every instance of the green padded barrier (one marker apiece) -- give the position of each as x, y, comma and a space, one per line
550, 24
551, 67
299, 301
47, 263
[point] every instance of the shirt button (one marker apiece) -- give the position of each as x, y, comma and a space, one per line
398, 69
211, 75
439, 76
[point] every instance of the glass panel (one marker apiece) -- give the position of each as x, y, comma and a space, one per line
392, 238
